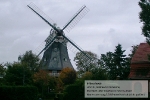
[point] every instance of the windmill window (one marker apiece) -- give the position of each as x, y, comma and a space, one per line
65, 59
55, 49
45, 59
55, 73
54, 58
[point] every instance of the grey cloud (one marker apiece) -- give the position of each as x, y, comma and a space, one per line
108, 23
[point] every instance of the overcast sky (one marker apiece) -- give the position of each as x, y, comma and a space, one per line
107, 23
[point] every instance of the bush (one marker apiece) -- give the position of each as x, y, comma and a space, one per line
18, 93
74, 91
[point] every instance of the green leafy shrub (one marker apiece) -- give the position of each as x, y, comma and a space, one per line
18, 93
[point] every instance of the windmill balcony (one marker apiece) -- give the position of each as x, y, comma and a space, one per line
54, 74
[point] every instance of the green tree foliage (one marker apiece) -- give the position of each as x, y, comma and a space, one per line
116, 64
60, 85
87, 76
30, 60
95, 74
74, 91
17, 74
2, 70
99, 74
44, 82
42, 78
144, 16
133, 50
2, 73
106, 61
81, 62
18, 93
89, 71
68, 75
121, 62
20, 73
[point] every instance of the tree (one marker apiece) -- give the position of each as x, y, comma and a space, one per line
30, 60
121, 62
41, 78
44, 82
99, 74
60, 85
95, 74
74, 91
17, 74
116, 64
2, 70
106, 61
133, 50
2, 73
144, 16
87, 76
68, 75
82, 61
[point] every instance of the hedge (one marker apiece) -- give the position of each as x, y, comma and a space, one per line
18, 93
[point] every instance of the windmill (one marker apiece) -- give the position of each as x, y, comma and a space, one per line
55, 56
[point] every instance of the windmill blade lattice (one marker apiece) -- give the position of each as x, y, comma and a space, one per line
76, 18
49, 40
48, 45
39, 48
86, 58
41, 14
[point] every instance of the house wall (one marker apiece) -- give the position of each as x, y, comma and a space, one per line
139, 70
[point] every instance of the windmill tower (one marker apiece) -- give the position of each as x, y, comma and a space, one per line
55, 56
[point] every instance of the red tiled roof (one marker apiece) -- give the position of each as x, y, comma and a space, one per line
140, 65
141, 54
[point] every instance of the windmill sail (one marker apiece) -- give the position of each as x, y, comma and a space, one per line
41, 14
48, 44
76, 18
86, 58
